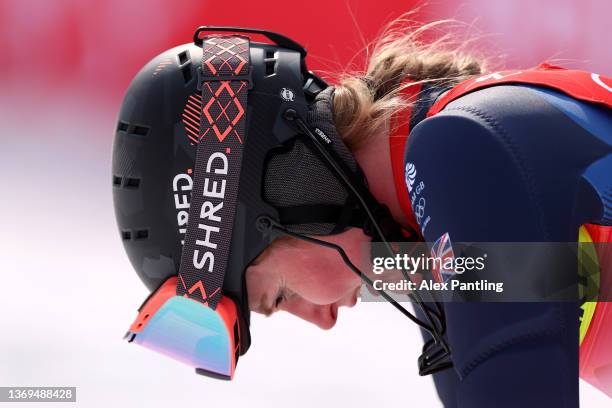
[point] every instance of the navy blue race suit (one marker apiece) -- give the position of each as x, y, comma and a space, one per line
512, 163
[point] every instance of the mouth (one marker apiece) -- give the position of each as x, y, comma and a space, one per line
333, 311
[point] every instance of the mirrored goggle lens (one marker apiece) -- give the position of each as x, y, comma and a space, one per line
194, 334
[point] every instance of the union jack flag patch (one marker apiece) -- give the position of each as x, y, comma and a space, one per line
442, 252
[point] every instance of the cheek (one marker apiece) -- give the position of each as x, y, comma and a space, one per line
257, 286
321, 278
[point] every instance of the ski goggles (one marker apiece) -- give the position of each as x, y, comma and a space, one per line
188, 331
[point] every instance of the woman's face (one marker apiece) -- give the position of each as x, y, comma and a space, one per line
305, 279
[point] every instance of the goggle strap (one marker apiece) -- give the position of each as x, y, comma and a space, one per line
216, 174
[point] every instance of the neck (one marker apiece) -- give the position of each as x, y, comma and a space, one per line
375, 161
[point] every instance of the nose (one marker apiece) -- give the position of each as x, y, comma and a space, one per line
324, 316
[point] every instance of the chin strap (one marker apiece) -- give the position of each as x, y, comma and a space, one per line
349, 216
392, 231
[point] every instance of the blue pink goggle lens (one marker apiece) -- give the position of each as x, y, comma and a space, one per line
189, 331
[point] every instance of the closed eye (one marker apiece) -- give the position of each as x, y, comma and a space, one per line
279, 300
283, 296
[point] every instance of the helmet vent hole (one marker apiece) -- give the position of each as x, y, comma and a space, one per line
116, 181
183, 57
132, 183
187, 75
140, 130
126, 235
270, 62
122, 127
142, 234
270, 68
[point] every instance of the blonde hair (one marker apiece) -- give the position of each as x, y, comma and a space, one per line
365, 100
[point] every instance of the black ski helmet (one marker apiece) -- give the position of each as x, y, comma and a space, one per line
296, 176
154, 151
